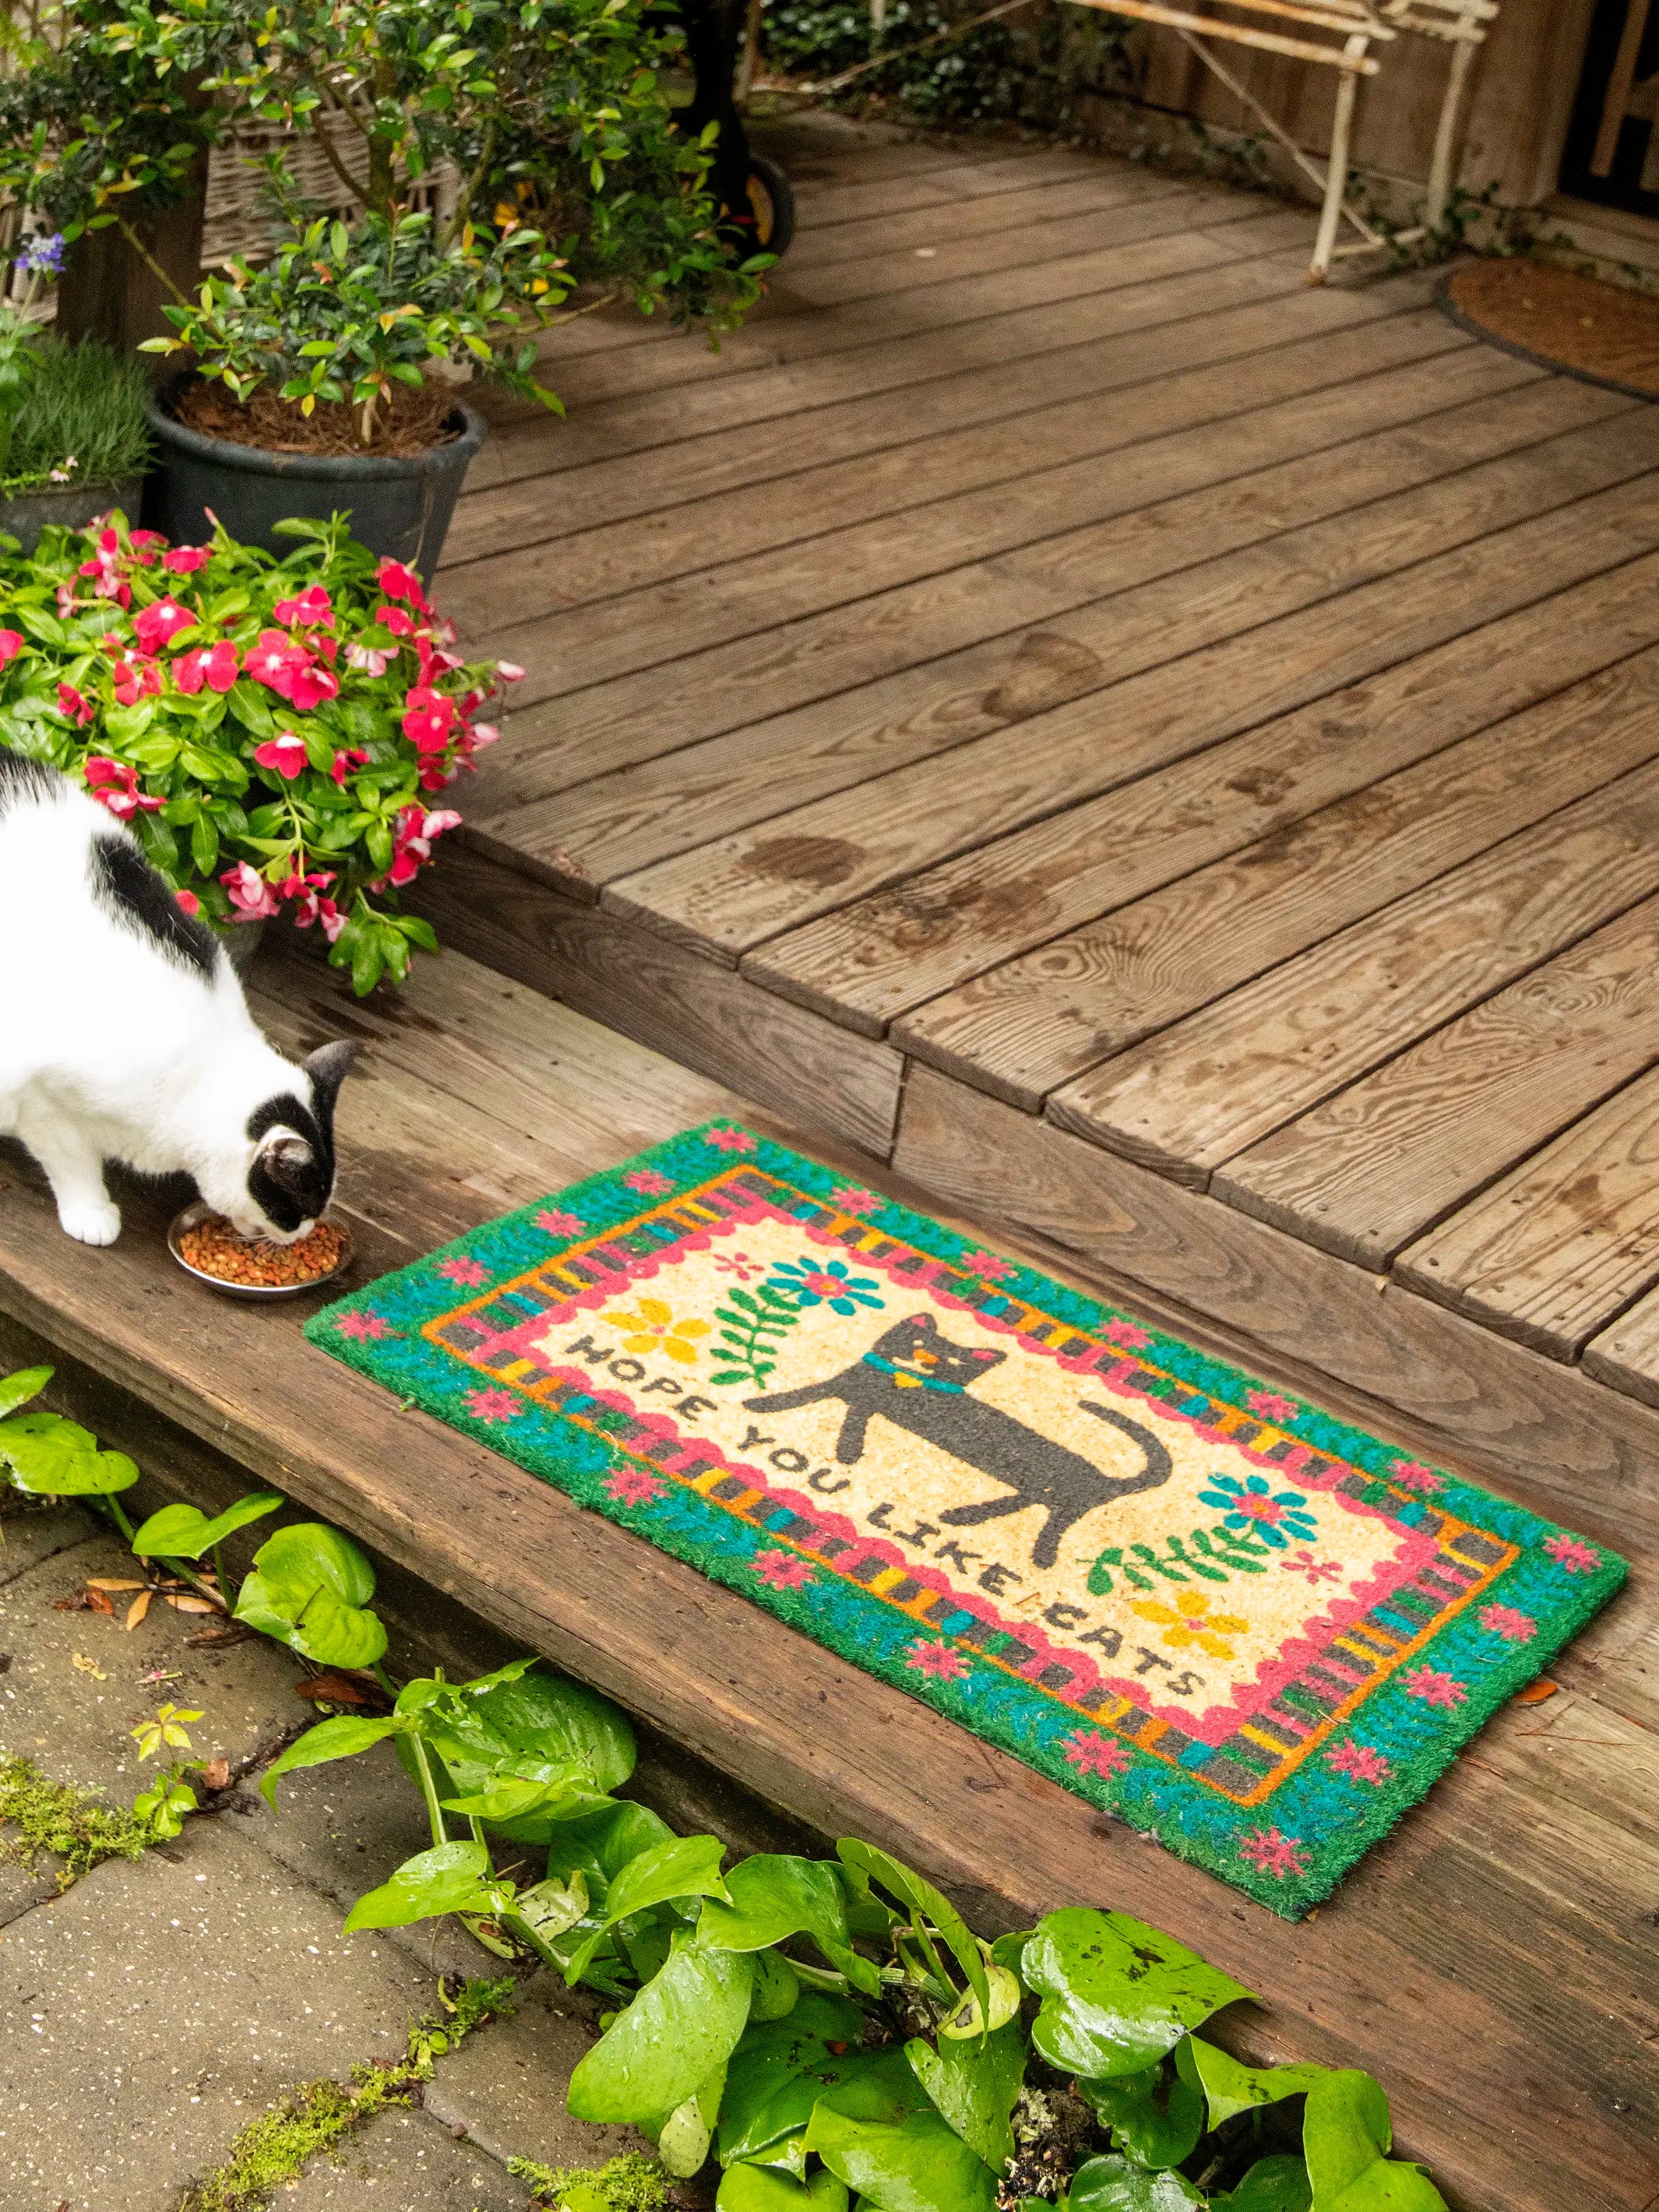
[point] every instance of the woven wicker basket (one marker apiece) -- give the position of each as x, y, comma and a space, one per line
238, 223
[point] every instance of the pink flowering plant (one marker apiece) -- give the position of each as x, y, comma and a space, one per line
281, 736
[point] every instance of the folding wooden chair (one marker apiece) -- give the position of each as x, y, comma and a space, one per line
1354, 27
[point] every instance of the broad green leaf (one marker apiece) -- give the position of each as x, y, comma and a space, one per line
776, 1895
185, 1531
336, 1634
974, 2086
329, 1739
51, 1457
17, 1389
684, 2137
599, 1846
1116, 1994
449, 1878
684, 2024
1272, 2184
919, 2166
310, 1589
967, 2019
687, 1866
1157, 2116
1230, 2086
754, 2189
781, 2068
1117, 2185
543, 1913
902, 1882
777, 1986
1345, 2137
539, 1716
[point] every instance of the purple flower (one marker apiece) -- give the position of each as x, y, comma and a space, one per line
42, 254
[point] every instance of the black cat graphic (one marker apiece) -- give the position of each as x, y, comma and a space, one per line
918, 1380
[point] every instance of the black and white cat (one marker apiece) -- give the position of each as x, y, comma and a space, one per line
124, 1036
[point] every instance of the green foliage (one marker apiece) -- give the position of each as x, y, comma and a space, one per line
66, 1820
310, 1589
185, 1531
46, 1456
272, 2151
1116, 1994
631, 2183
751, 1323
274, 732
79, 419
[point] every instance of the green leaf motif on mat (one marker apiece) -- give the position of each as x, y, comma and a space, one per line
1216, 1555
1116, 1994
751, 1323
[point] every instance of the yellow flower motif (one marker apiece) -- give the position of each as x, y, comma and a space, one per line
1190, 1621
655, 1329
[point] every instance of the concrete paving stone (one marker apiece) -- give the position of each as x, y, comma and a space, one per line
506, 2087
29, 1533
407, 2162
151, 2012
73, 1722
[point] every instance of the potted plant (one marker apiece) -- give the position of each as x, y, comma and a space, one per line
476, 174
73, 441
277, 734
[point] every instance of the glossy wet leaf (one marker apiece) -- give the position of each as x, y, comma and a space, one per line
1116, 1994
51, 1457
1272, 2184
776, 1895
600, 1845
968, 2019
535, 1725
682, 2139
1114, 2184
1157, 2116
919, 2166
1230, 2086
329, 1739
682, 2025
759, 2189
777, 1986
16, 1389
449, 1878
310, 1589
781, 2068
1346, 2135
685, 1867
974, 2085
921, 1896
185, 1531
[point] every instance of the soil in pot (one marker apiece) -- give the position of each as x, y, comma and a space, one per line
412, 422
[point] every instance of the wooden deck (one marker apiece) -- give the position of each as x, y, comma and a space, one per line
1160, 753
1493, 1961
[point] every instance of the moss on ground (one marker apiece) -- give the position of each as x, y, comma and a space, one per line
65, 1820
631, 2183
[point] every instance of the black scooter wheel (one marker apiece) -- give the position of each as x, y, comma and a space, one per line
772, 205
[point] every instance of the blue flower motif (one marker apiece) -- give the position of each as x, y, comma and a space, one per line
1275, 1516
812, 1283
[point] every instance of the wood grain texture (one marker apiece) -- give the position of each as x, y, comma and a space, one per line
1023, 1029
1530, 1848
1553, 1252
737, 892
1381, 1162
1226, 1078
1627, 1355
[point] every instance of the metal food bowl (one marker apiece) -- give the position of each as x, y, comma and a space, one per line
194, 1215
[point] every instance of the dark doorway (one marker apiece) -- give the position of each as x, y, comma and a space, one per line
1612, 150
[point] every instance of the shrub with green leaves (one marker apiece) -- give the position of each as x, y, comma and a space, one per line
276, 733
80, 421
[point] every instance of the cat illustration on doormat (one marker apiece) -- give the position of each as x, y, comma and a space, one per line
917, 1379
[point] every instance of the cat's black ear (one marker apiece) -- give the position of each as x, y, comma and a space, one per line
328, 1068
924, 1324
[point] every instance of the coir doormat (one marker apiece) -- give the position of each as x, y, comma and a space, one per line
1210, 1608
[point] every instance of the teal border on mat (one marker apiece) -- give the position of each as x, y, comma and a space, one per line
1327, 1818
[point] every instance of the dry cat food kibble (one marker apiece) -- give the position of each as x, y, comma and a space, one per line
214, 1247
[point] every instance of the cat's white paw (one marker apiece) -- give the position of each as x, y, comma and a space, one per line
91, 1221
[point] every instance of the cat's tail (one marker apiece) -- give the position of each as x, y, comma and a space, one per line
1159, 1465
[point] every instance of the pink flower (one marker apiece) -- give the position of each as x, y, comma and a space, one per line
509, 672
648, 1183
558, 1222
216, 665
134, 683
1444, 1692
80, 710
365, 658
1095, 1754
395, 620
740, 1265
1504, 1620
333, 922
185, 559
938, 1660
285, 753
852, 1199
1572, 1553
155, 626
729, 1140
1270, 1406
1411, 1474
189, 900
491, 1404
353, 756
399, 582
1125, 1332
1359, 1761
115, 784
250, 894
988, 1266
412, 841
470, 1272
632, 1485
1316, 1570
362, 1325
306, 609
782, 1570
301, 887
428, 721
11, 644
1274, 1854
310, 686
481, 734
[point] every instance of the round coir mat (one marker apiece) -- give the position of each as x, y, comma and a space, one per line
1601, 332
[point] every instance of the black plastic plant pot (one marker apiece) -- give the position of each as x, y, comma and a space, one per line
71, 506
398, 508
